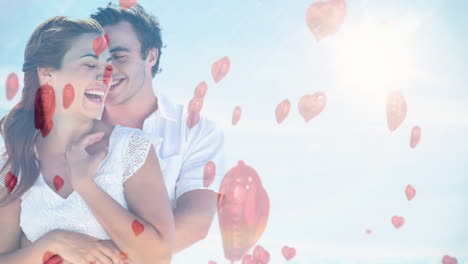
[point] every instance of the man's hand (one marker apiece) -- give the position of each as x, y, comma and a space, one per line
81, 248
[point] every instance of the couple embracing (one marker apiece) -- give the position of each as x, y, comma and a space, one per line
97, 166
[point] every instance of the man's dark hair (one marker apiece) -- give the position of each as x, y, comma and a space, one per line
145, 25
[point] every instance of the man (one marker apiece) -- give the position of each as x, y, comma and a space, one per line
135, 46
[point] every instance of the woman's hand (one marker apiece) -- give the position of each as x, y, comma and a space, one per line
80, 248
83, 166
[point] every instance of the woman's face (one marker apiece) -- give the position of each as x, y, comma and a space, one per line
81, 85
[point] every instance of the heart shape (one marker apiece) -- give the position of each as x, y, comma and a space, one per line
236, 115
12, 86
415, 136
396, 110
107, 75
368, 231
51, 258
137, 227
243, 210
192, 119
68, 95
449, 260
282, 111
100, 44
10, 181
249, 259
261, 255
123, 256
325, 17
288, 252
410, 192
398, 221
220, 68
195, 105
44, 109
58, 183
311, 105
126, 4
201, 89
209, 173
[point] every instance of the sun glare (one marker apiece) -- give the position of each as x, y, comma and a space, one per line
374, 56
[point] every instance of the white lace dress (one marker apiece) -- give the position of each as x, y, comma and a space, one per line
43, 210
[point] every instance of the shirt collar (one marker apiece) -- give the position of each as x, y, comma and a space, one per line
165, 109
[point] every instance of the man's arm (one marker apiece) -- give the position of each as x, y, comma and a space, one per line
193, 217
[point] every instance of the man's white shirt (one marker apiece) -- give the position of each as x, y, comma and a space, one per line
182, 151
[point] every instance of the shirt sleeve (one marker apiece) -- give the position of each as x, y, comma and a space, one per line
135, 152
206, 143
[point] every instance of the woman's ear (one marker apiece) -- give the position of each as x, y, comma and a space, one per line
45, 76
152, 57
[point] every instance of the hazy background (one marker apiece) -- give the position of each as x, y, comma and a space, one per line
343, 172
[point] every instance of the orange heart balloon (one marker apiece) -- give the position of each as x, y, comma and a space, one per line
243, 210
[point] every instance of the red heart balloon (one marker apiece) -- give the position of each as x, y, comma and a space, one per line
449, 260
236, 115
311, 105
220, 68
195, 105
325, 17
288, 252
249, 259
200, 91
126, 4
398, 221
209, 173
396, 110
410, 192
107, 75
12, 86
243, 210
100, 44
68, 95
51, 258
137, 227
261, 255
123, 256
282, 111
10, 181
44, 109
58, 182
192, 119
415, 136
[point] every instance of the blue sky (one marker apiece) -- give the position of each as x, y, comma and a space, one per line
343, 172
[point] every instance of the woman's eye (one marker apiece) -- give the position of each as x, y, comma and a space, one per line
90, 66
115, 57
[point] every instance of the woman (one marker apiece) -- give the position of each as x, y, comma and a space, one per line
56, 178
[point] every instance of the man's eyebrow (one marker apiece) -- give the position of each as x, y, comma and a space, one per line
90, 55
119, 48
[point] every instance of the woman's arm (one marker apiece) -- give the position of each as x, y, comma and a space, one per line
145, 231
10, 252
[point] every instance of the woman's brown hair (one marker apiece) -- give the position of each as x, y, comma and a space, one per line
45, 49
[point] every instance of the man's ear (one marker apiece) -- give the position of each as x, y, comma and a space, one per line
153, 56
45, 75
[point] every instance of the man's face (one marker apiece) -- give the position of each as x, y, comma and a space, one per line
129, 68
